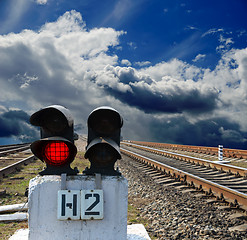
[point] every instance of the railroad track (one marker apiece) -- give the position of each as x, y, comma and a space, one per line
227, 152
225, 182
9, 149
12, 157
11, 146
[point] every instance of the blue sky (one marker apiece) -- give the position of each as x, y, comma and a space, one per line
155, 30
175, 69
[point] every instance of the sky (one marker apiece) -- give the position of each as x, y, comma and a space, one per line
176, 70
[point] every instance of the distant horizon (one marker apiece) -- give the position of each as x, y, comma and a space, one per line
9, 141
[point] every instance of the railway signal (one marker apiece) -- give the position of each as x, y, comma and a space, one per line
103, 143
56, 146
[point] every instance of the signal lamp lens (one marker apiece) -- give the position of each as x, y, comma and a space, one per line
102, 155
56, 153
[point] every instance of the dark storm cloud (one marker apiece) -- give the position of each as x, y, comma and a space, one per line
168, 102
210, 132
16, 123
165, 96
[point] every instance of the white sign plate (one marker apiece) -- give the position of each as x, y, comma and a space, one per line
68, 207
92, 204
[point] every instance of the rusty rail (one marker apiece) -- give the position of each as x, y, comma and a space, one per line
14, 150
221, 192
13, 146
238, 171
227, 152
15, 166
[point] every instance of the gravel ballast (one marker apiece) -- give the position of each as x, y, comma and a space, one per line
176, 213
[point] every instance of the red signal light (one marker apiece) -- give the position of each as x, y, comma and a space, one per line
56, 153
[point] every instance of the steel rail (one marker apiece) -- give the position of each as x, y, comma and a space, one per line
12, 146
227, 152
238, 171
220, 191
13, 167
15, 150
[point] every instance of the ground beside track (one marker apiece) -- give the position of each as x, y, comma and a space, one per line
172, 214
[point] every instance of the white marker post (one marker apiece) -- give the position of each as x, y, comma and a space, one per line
220, 152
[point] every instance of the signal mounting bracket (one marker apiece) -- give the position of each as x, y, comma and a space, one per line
63, 181
98, 181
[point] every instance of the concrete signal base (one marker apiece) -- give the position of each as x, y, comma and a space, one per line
43, 200
134, 232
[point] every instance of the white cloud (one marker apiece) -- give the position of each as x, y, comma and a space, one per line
175, 68
143, 64
199, 57
132, 45
54, 64
191, 28
213, 31
225, 44
226, 41
2, 109
126, 62
42, 2
26, 80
